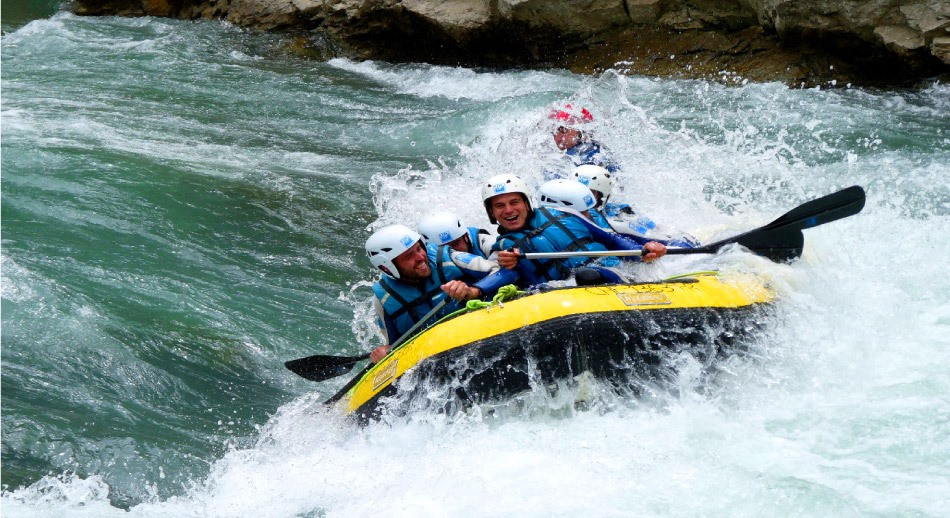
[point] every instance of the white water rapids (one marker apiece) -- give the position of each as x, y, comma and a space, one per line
842, 407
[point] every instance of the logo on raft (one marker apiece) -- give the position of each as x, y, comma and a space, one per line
386, 374
643, 299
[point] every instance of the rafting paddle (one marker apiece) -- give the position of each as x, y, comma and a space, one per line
320, 367
780, 240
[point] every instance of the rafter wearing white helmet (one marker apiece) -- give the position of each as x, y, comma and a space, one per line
388, 243
503, 184
428, 275
446, 228
569, 194
598, 179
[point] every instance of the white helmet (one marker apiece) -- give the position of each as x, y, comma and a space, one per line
596, 178
568, 194
388, 243
503, 184
439, 228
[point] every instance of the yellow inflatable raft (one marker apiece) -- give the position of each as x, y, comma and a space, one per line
610, 331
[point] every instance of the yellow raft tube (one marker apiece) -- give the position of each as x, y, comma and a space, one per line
612, 331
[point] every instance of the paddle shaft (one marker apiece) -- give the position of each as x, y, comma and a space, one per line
320, 367
415, 327
405, 336
609, 253
780, 239
590, 253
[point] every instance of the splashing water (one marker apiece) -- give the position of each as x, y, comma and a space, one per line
185, 207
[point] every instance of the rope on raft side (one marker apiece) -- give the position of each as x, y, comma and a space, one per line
505, 293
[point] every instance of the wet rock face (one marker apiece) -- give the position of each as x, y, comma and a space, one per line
797, 41
907, 28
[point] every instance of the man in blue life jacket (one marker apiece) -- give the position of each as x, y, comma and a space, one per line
621, 217
577, 144
446, 228
522, 228
417, 278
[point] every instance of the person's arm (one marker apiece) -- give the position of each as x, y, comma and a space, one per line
631, 231
486, 287
384, 328
490, 285
473, 265
618, 210
684, 241
615, 241
638, 227
604, 158
509, 259
485, 240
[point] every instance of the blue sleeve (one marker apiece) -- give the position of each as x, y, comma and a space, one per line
525, 269
492, 283
502, 243
603, 158
613, 210
685, 241
551, 174
612, 240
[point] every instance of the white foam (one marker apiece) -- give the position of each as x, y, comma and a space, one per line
839, 408
454, 83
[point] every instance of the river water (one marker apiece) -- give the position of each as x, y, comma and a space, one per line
184, 206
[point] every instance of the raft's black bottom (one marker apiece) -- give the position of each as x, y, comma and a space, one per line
624, 349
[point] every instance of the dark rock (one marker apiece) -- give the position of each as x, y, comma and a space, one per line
879, 42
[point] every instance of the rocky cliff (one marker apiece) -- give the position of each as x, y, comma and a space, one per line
892, 42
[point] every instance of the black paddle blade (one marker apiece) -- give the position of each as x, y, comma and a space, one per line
778, 245
320, 367
782, 239
841, 204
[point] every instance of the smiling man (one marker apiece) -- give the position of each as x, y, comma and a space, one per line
417, 278
522, 228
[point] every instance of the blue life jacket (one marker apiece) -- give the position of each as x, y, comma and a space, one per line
550, 231
405, 304
598, 217
636, 226
590, 152
636, 222
473, 236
